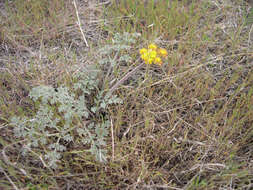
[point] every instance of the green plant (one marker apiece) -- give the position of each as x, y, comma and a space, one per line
67, 115
78, 114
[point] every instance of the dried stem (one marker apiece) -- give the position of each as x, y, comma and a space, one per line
79, 24
9, 179
112, 140
125, 77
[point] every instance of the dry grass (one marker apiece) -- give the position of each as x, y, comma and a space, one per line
185, 125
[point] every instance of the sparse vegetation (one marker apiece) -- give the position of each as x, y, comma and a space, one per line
97, 117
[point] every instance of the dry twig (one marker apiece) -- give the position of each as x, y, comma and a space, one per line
79, 24
9, 179
112, 140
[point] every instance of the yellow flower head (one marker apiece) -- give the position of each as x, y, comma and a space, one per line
152, 47
163, 52
158, 61
143, 50
152, 54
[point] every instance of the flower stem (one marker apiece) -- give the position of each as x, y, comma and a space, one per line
114, 87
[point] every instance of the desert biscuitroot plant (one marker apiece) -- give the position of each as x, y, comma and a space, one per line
65, 115
77, 114
71, 115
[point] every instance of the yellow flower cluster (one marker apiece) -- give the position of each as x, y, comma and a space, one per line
153, 54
